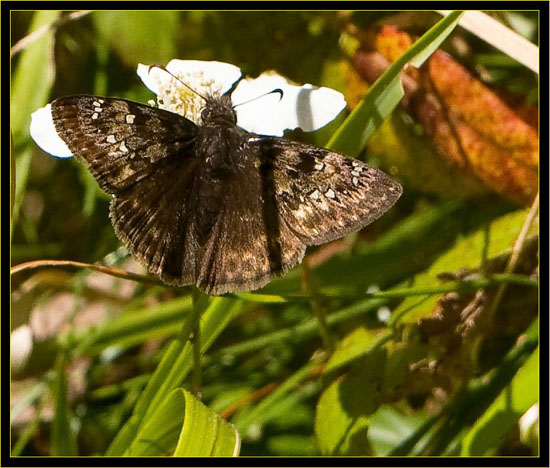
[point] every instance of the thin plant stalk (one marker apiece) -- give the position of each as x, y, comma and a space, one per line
515, 255
196, 312
317, 308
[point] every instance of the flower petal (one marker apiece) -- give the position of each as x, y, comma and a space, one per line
151, 78
223, 74
45, 135
306, 107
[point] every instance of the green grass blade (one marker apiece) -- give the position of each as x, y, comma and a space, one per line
500, 417
137, 326
261, 413
62, 437
205, 429
31, 85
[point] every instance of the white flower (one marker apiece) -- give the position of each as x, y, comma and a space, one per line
306, 107
206, 78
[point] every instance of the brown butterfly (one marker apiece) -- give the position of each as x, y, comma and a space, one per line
212, 204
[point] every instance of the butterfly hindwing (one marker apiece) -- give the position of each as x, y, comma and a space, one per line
249, 243
120, 141
155, 219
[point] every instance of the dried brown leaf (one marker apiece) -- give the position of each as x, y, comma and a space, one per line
474, 128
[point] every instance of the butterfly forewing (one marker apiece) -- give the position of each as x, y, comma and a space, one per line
121, 141
323, 195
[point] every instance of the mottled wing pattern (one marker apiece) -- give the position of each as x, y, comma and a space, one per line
248, 244
285, 196
322, 195
145, 158
120, 141
213, 206
155, 219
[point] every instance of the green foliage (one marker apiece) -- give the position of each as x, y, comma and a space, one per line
63, 438
505, 411
113, 357
34, 67
172, 370
183, 422
490, 241
138, 37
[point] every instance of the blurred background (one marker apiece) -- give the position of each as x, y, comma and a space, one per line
464, 145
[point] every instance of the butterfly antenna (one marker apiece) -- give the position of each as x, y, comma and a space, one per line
163, 68
278, 90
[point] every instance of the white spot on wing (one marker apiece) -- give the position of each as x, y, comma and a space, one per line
95, 115
130, 118
123, 148
300, 213
330, 193
315, 194
111, 139
355, 181
319, 166
323, 204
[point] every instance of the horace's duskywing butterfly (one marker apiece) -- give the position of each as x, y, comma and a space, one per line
211, 204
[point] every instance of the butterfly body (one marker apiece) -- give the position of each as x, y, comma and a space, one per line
211, 204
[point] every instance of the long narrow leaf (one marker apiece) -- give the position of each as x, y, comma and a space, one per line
138, 326
386, 92
31, 87
62, 438
505, 411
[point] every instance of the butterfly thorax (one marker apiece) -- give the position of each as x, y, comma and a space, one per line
217, 146
218, 140
219, 111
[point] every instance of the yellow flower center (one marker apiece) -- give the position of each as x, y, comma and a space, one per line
175, 97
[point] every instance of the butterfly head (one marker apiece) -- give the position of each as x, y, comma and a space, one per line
218, 111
